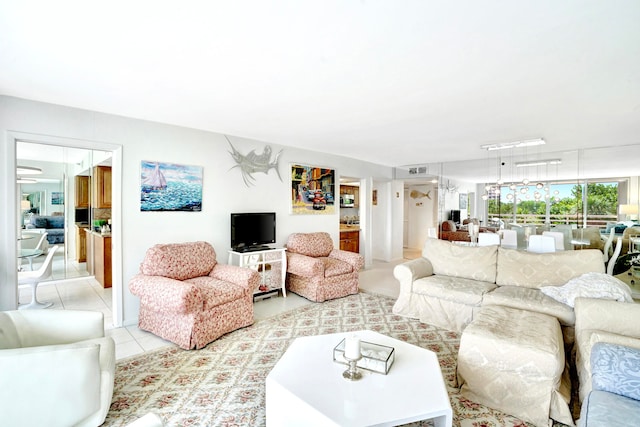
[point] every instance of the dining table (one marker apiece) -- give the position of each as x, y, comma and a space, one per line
30, 254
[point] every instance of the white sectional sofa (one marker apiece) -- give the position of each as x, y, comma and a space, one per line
449, 284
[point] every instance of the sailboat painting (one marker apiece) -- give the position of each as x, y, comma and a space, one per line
170, 187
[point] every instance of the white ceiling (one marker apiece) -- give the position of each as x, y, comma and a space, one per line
391, 82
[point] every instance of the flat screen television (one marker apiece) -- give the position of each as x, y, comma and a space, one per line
454, 215
252, 230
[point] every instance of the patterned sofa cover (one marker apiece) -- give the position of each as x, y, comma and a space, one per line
54, 226
449, 284
186, 297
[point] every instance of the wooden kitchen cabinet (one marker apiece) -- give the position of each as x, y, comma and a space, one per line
101, 187
353, 190
82, 191
350, 241
81, 244
102, 259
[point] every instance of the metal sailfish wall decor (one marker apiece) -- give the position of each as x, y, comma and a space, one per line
254, 163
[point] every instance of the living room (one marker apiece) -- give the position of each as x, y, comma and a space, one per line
451, 129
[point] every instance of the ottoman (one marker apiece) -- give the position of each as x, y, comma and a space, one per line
513, 360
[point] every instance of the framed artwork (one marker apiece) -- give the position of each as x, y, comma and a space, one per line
463, 200
312, 190
170, 187
57, 198
374, 197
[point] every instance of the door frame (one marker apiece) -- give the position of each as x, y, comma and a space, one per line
9, 218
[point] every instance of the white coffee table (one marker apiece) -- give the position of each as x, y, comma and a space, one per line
306, 387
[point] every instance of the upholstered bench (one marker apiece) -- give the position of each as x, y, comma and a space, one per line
513, 360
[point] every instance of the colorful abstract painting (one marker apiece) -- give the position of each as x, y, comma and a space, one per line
170, 187
312, 190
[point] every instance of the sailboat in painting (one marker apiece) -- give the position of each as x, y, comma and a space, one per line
155, 181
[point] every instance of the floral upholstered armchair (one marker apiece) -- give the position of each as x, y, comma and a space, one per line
317, 271
186, 297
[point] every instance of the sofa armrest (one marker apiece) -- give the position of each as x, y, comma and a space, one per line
352, 258
241, 276
410, 271
165, 294
607, 315
304, 266
62, 382
50, 327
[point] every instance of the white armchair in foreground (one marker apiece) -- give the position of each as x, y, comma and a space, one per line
56, 368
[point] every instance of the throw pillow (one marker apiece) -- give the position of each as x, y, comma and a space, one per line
616, 369
589, 285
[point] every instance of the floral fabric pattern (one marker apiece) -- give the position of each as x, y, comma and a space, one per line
317, 271
179, 261
189, 299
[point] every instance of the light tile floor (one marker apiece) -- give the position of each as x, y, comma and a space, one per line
85, 293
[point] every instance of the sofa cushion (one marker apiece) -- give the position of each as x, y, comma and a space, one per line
336, 267
310, 244
179, 261
215, 292
531, 300
616, 369
535, 270
608, 409
458, 289
55, 222
450, 259
39, 222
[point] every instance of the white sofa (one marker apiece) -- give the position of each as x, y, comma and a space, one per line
56, 368
449, 283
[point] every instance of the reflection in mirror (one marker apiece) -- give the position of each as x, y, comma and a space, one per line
52, 203
578, 188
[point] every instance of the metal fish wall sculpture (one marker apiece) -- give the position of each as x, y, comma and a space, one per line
254, 163
415, 194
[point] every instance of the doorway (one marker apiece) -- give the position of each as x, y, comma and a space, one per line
99, 152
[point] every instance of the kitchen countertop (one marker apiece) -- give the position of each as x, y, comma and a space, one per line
345, 227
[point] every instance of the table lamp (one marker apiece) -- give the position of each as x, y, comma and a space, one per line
630, 211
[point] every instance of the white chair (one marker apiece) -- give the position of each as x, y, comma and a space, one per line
488, 239
34, 277
509, 239
57, 368
35, 241
607, 245
559, 238
541, 244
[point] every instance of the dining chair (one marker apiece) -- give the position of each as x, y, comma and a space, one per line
616, 253
559, 238
607, 245
488, 239
35, 241
33, 278
509, 239
541, 244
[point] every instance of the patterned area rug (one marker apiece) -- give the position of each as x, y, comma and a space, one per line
223, 384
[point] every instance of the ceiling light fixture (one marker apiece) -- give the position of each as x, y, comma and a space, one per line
515, 144
539, 163
28, 170
25, 181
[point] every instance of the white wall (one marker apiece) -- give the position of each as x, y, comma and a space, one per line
422, 213
223, 189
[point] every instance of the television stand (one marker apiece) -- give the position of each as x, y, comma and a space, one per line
252, 248
270, 263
